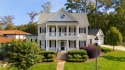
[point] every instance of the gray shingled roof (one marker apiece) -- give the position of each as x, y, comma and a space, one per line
93, 31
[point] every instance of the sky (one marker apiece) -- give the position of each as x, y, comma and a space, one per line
19, 8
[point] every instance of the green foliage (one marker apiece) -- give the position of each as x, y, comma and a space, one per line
113, 37
110, 61
23, 55
49, 56
105, 50
77, 56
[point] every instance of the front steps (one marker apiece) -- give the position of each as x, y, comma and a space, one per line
62, 55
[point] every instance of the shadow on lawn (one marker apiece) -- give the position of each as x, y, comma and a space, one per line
122, 59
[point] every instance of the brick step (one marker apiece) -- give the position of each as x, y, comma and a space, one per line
62, 55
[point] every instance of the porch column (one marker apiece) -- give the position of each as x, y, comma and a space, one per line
77, 30
67, 30
67, 45
77, 44
46, 44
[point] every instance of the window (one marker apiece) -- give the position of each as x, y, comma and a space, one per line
72, 44
52, 43
84, 43
82, 30
53, 29
43, 44
81, 43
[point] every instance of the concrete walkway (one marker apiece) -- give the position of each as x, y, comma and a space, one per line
116, 47
60, 65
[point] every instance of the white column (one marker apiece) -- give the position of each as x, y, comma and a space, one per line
77, 30
67, 45
77, 44
46, 44
67, 30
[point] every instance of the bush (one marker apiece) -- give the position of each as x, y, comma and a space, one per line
77, 56
105, 50
49, 56
91, 50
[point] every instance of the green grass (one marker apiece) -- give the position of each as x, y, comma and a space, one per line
43, 66
111, 61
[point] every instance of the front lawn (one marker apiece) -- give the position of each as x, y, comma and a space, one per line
111, 61
42, 66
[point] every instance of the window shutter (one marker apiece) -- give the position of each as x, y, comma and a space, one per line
84, 43
50, 43
45, 30
55, 43
40, 42
79, 30
74, 29
74, 44
40, 29
50, 29
45, 44
84, 30
69, 29
69, 44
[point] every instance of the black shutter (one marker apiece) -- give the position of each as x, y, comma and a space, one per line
84, 30
69, 44
50, 29
74, 44
65, 29
40, 29
50, 43
84, 43
45, 44
45, 29
69, 29
55, 43
79, 44
79, 30
40, 42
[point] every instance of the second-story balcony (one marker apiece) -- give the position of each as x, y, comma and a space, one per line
54, 34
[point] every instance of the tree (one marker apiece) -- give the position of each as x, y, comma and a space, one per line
23, 54
113, 37
6, 21
32, 16
32, 28
46, 7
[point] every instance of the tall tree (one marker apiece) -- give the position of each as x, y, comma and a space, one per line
113, 37
46, 7
32, 16
6, 21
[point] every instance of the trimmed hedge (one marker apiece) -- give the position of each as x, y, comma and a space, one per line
77, 56
49, 56
105, 50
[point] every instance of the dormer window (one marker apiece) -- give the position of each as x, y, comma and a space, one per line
62, 16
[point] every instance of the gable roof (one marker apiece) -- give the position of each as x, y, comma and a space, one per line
5, 40
12, 32
79, 17
62, 10
93, 31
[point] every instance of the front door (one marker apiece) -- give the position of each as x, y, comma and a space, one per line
62, 45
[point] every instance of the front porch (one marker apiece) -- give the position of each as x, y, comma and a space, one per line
62, 45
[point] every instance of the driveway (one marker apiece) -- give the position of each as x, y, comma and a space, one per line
116, 47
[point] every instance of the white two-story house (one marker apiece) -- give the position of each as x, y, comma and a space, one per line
62, 31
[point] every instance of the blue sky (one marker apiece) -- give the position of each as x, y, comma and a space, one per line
19, 8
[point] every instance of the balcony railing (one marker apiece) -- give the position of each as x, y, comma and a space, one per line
62, 34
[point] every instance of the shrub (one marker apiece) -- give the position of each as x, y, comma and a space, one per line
91, 50
77, 56
105, 50
49, 56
